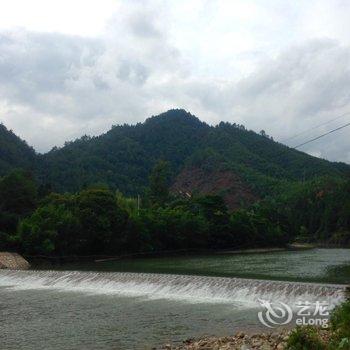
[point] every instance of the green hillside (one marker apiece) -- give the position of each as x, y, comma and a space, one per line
14, 152
124, 156
201, 187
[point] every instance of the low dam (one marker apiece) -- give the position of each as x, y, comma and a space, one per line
177, 287
115, 309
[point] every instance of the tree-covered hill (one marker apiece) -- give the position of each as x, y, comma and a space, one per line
14, 152
201, 187
124, 156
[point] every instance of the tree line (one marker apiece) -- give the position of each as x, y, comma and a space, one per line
99, 221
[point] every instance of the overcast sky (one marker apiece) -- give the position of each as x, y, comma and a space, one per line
69, 68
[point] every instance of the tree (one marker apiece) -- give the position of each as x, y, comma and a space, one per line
18, 197
52, 229
263, 133
159, 183
102, 221
18, 193
214, 210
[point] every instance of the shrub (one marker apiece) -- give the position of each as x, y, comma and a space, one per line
305, 338
340, 323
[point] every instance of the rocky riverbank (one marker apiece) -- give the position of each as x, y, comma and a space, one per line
240, 341
13, 261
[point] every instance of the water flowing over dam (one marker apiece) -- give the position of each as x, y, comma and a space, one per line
176, 287
64, 310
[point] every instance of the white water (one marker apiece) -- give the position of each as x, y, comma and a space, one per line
176, 287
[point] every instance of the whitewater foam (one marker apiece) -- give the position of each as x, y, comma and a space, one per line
178, 287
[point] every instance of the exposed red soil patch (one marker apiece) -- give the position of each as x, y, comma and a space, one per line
226, 183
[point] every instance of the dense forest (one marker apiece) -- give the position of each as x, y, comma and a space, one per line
123, 157
137, 189
14, 152
99, 221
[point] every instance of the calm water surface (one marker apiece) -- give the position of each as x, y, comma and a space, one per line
49, 313
316, 265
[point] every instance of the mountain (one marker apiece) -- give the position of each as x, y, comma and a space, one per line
124, 156
227, 159
14, 152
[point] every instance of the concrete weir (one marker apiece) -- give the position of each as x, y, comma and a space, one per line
177, 287
13, 261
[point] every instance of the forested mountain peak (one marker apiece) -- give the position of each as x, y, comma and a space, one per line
123, 158
177, 116
14, 152
174, 121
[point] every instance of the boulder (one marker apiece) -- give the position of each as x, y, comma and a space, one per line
13, 261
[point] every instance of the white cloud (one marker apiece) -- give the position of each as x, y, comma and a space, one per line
78, 17
283, 67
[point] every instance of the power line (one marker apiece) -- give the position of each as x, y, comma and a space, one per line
306, 131
287, 148
315, 127
318, 137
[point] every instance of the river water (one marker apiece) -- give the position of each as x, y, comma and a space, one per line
140, 304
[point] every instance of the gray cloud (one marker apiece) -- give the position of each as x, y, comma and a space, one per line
55, 87
304, 87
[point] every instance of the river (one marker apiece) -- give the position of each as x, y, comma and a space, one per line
138, 304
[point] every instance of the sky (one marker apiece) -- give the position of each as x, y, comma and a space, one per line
69, 68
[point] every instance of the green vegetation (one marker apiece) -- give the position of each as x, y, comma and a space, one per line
159, 183
305, 338
82, 198
18, 199
99, 221
14, 152
123, 157
314, 211
340, 322
337, 338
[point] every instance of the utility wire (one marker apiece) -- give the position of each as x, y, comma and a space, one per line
315, 127
288, 148
304, 132
318, 137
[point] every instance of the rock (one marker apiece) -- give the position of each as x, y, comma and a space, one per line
13, 261
281, 346
241, 341
245, 347
257, 342
188, 341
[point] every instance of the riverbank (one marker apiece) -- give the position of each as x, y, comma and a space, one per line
13, 261
335, 337
239, 341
